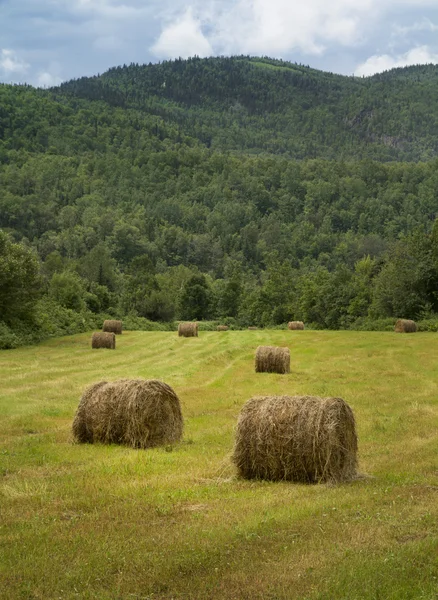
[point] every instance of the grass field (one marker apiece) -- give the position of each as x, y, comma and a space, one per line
96, 522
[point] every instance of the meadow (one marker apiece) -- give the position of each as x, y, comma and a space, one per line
108, 522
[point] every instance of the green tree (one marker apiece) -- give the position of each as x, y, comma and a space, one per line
195, 298
20, 283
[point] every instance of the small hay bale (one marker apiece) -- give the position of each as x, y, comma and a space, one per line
295, 325
272, 359
188, 330
222, 328
296, 438
405, 326
252, 328
112, 326
103, 340
140, 413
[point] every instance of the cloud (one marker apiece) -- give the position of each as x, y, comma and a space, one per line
418, 26
11, 63
378, 63
46, 79
272, 27
182, 38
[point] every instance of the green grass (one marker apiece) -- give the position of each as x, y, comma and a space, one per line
96, 522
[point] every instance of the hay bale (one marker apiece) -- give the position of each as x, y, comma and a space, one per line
222, 328
188, 330
103, 340
272, 359
139, 413
296, 438
252, 328
405, 326
295, 325
112, 326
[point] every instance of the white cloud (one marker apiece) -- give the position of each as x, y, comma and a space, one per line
418, 26
384, 62
182, 38
11, 63
46, 79
273, 27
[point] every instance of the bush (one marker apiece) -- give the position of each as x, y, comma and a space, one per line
8, 339
368, 324
430, 324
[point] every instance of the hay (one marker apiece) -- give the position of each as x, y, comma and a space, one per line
139, 413
296, 438
222, 328
252, 328
103, 340
113, 326
272, 359
405, 326
294, 325
188, 330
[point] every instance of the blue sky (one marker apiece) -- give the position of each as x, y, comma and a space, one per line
44, 42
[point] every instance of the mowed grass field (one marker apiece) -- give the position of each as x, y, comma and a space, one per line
109, 522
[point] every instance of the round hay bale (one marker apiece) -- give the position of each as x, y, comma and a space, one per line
272, 359
296, 438
103, 340
222, 328
188, 330
140, 413
252, 328
295, 325
405, 326
112, 326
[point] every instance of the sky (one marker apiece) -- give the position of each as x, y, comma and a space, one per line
44, 42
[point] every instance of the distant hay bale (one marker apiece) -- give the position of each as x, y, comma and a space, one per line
272, 359
112, 326
139, 413
103, 340
296, 438
188, 330
252, 328
405, 326
295, 325
222, 328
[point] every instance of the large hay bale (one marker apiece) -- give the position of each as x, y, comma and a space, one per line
103, 340
222, 328
272, 359
112, 326
296, 438
295, 325
188, 330
405, 326
139, 413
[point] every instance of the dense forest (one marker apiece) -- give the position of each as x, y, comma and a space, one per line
247, 190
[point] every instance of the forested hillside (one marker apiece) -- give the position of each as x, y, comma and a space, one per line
247, 190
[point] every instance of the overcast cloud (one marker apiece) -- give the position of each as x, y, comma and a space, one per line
47, 41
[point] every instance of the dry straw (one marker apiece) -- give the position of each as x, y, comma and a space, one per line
188, 330
272, 359
296, 438
139, 413
295, 325
405, 326
222, 327
103, 340
112, 326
